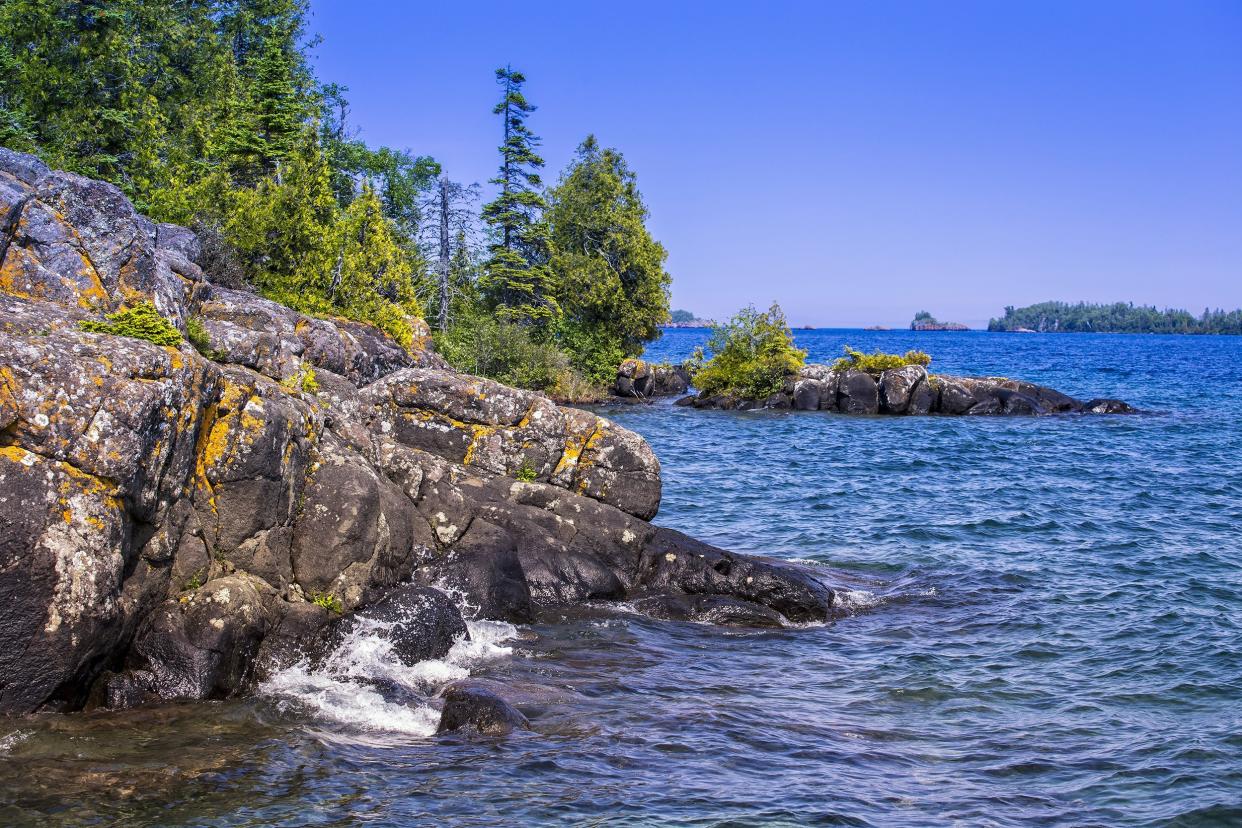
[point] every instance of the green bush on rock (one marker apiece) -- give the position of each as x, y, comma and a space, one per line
142, 321
878, 362
752, 354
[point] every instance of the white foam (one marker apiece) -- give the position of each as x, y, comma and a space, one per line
12, 740
337, 690
858, 599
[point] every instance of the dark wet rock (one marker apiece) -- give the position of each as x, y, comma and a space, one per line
675, 563
478, 706
422, 623
200, 646
857, 393
484, 565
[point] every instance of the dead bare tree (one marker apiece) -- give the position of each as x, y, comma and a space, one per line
450, 232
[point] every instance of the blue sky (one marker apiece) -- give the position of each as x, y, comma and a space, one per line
856, 162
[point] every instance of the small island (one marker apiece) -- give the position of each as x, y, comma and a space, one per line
1119, 317
924, 321
686, 319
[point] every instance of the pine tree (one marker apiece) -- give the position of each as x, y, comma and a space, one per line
516, 279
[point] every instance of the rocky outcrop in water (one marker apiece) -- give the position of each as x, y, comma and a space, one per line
644, 380
174, 524
911, 390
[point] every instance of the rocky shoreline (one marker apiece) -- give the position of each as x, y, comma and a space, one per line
911, 390
179, 526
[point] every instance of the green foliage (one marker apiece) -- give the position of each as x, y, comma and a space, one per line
195, 581
752, 354
504, 351
611, 285
142, 321
878, 362
328, 601
1120, 317
526, 472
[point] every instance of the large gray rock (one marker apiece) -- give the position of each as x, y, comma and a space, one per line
897, 387
857, 393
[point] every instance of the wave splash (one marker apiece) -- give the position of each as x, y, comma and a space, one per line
345, 689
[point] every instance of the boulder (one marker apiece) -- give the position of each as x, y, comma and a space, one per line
467, 704
807, 393
857, 393
484, 566
897, 387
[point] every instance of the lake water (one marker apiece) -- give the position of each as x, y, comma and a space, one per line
1046, 629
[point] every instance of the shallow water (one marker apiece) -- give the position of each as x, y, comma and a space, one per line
1044, 631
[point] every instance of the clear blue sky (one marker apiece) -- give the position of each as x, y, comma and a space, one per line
855, 161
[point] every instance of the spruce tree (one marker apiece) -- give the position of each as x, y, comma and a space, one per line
611, 282
516, 280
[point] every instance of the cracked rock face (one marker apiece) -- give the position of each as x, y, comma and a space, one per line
176, 526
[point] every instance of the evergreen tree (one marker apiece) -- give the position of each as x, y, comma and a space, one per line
611, 283
516, 279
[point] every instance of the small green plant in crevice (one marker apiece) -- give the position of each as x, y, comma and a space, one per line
197, 335
526, 472
328, 601
303, 380
196, 581
142, 321
878, 362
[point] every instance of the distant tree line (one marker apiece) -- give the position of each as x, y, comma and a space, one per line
208, 113
1120, 317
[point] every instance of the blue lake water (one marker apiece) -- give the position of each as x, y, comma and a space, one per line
1046, 629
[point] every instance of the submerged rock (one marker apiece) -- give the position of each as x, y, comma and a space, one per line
470, 704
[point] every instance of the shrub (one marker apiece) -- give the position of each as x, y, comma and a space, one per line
508, 352
752, 354
142, 321
879, 361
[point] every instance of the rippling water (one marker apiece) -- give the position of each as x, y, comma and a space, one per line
1045, 631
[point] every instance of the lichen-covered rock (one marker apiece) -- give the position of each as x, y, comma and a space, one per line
483, 424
